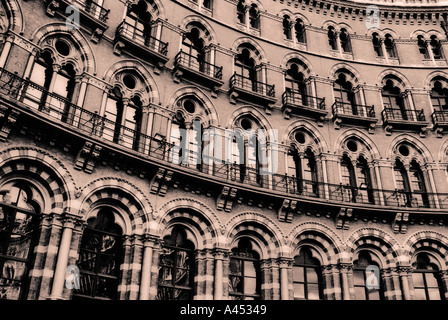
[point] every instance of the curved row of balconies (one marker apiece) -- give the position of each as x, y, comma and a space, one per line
61, 111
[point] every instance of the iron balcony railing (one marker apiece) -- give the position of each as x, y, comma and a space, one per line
246, 83
59, 110
297, 98
439, 116
131, 32
187, 60
93, 9
402, 114
352, 109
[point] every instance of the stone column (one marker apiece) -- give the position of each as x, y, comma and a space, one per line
124, 268
68, 221
392, 290
145, 282
36, 273
344, 269
5, 51
444, 278
404, 278
285, 266
331, 288
135, 267
220, 255
29, 64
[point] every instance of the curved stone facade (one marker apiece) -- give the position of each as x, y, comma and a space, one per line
127, 149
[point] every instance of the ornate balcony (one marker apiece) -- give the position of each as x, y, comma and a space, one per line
440, 121
354, 114
43, 109
395, 118
251, 90
304, 105
147, 47
91, 14
188, 66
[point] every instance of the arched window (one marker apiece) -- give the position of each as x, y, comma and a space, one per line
176, 267
344, 95
244, 272
65, 87
332, 38
241, 12
426, 278
295, 84
245, 67
361, 276
254, 16
59, 81
365, 192
389, 44
418, 185
439, 95
237, 170
179, 140
247, 151
348, 179
207, 4
193, 48
18, 223
186, 134
393, 100
100, 257
300, 31
138, 20
345, 40
402, 181
304, 169
436, 47
287, 27
307, 277
411, 186
423, 47
377, 46
42, 73
123, 117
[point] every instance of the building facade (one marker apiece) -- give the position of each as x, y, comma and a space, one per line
223, 149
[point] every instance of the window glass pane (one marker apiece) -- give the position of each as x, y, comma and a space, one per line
107, 265
299, 291
182, 278
313, 291
374, 294
360, 293
311, 275
249, 269
358, 277
60, 85
11, 277
431, 280
420, 294
181, 295
250, 285
87, 261
106, 287
399, 179
165, 277
434, 294
417, 278
236, 284
235, 267
298, 274
38, 74
345, 174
